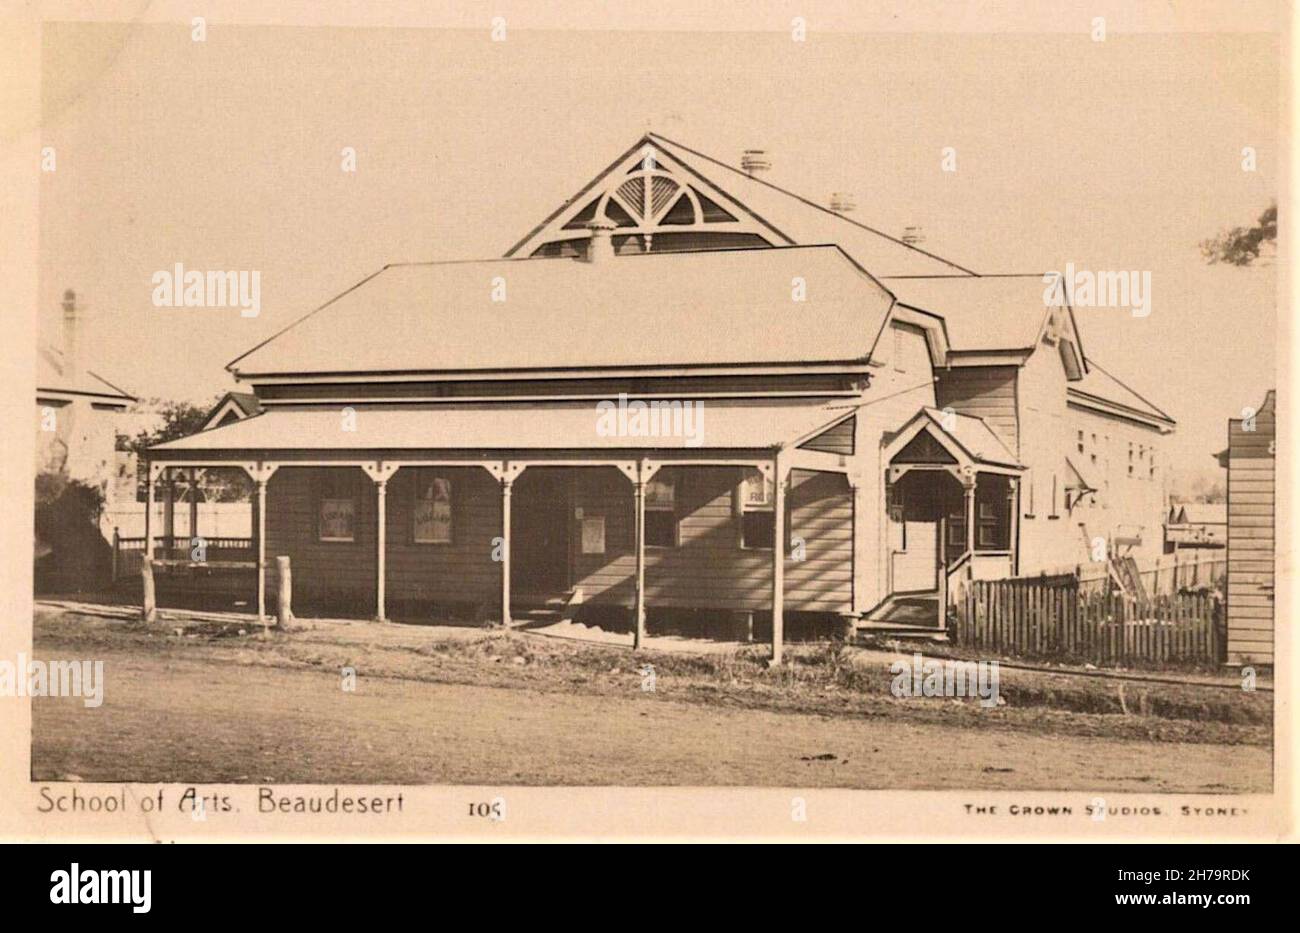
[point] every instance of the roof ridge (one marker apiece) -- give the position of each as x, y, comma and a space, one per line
808, 202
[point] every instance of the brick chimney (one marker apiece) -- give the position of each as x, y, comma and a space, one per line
600, 248
71, 348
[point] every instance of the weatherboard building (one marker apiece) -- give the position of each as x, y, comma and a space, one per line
854, 425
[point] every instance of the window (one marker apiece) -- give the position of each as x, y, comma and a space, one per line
757, 515
661, 513
988, 527
431, 518
1079, 442
337, 509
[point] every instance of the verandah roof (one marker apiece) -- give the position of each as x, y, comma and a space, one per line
511, 427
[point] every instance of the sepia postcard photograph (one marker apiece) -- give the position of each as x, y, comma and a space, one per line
710, 421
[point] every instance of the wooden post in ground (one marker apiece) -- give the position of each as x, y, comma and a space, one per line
117, 547
148, 602
284, 592
778, 559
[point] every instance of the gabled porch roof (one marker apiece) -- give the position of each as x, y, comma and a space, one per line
967, 440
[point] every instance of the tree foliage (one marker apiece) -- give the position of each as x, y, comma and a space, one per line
1241, 246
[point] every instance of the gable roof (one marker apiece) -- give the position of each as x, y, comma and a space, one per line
50, 378
239, 404
974, 436
780, 216
731, 307
966, 437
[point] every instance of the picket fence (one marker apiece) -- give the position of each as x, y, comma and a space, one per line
1056, 617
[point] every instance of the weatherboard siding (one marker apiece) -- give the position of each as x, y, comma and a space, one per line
708, 569
987, 392
1251, 504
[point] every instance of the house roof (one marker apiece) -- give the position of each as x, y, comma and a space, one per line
1097, 383
974, 436
50, 377
785, 217
980, 313
557, 426
692, 308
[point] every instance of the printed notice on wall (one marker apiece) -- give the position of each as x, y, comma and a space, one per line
593, 534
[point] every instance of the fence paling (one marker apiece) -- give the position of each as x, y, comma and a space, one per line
1034, 618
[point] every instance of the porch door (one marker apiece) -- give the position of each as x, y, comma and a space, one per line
539, 532
916, 564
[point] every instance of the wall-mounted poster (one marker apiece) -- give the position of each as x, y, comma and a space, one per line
433, 511
338, 519
593, 534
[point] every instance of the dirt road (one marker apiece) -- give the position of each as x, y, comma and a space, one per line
202, 721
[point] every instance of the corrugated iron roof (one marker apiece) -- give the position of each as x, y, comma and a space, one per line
1100, 384
504, 427
721, 307
805, 221
980, 313
974, 436
50, 376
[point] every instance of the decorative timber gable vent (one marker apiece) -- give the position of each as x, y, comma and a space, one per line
655, 205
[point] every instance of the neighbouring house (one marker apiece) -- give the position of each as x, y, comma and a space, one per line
78, 414
1251, 461
232, 407
686, 389
1196, 525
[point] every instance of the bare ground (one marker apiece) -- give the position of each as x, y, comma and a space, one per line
452, 705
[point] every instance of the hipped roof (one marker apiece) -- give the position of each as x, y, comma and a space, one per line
698, 308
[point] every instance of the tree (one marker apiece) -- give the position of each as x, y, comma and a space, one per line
181, 419
1240, 246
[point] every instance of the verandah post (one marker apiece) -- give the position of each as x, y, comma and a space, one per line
506, 483
638, 607
381, 545
148, 512
261, 545
778, 558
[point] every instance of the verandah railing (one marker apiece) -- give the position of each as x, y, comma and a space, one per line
129, 552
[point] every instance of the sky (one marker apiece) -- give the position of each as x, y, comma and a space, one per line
225, 154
